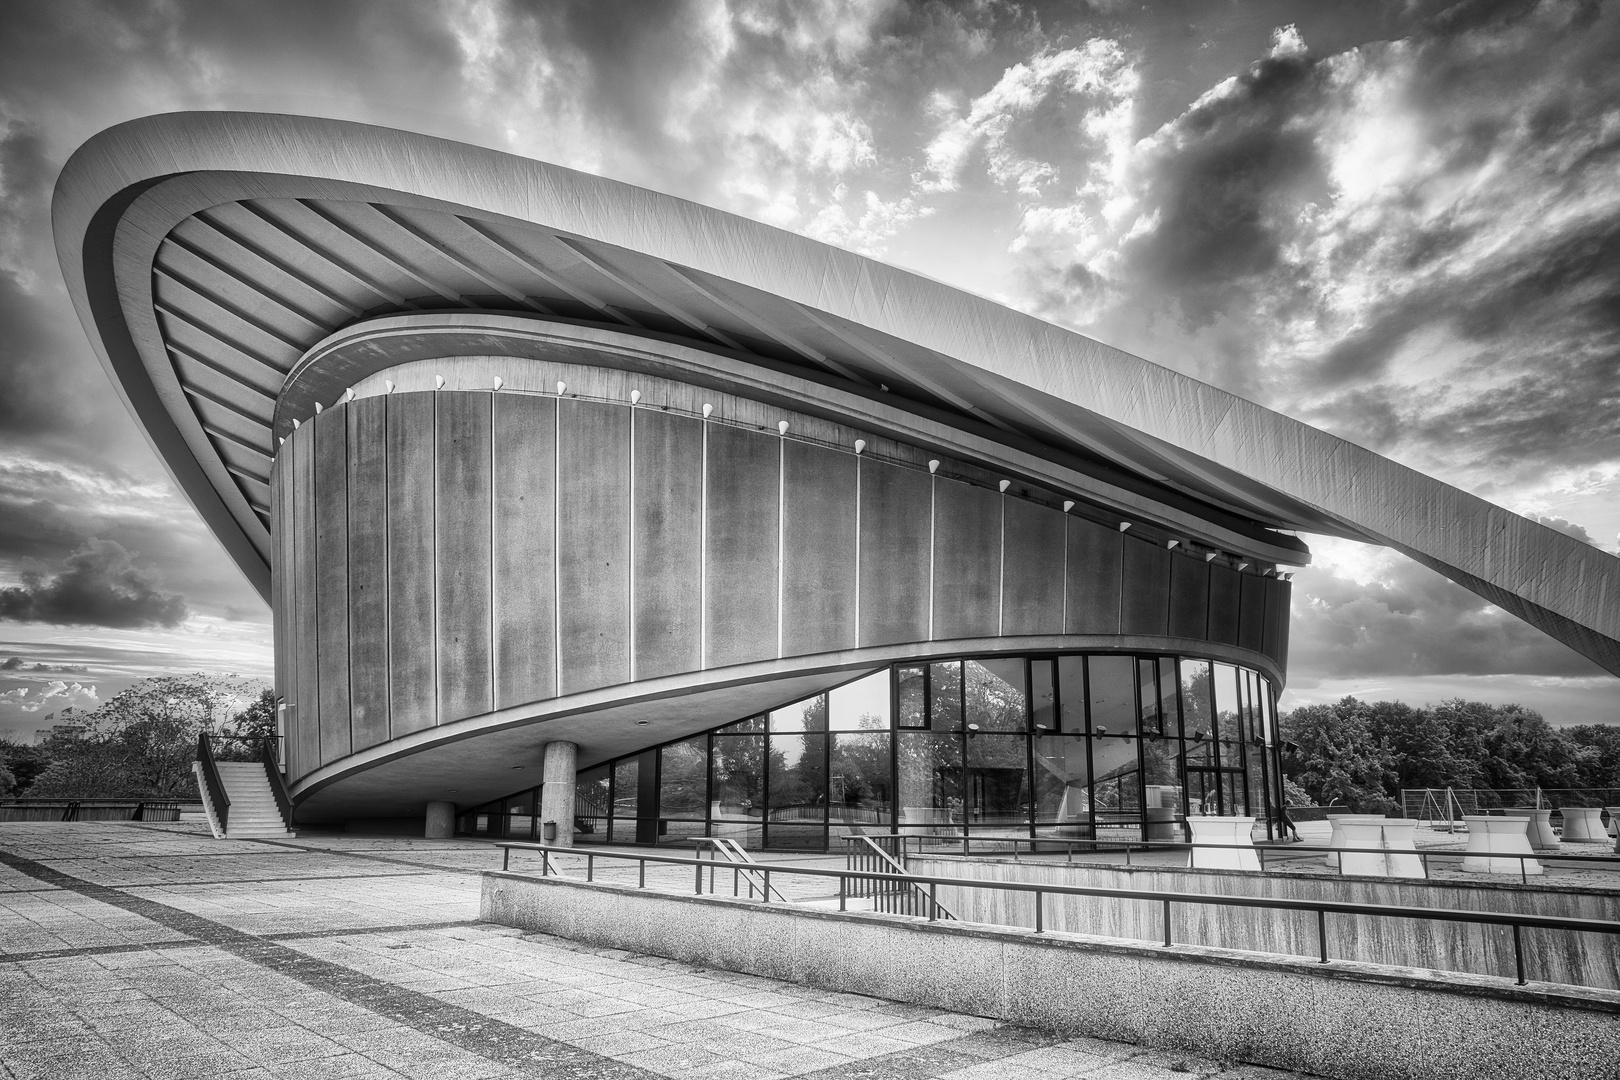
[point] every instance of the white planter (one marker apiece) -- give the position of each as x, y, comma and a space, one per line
1498, 835
1541, 834
1234, 833
1584, 824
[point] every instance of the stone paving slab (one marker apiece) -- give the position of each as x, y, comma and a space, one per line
281, 964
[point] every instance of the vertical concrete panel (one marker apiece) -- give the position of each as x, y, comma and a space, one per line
289, 627
368, 570
1032, 574
523, 429
1252, 612
1095, 553
306, 622
967, 560
593, 544
1276, 611
895, 527
280, 566
461, 555
331, 433
667, 524
412, 683
1189, 596
740, 565
1145, 604
1223, 604
1285, 591
818, 545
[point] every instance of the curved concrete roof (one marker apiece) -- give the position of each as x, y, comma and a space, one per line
206, 253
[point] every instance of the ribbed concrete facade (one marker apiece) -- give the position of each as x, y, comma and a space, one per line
433, 549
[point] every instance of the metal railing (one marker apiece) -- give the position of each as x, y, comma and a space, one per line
744, 868
269, 755
1320, 908
904, 847
217, 798
868, 853
89, 810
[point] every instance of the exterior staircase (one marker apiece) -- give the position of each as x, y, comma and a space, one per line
253, 812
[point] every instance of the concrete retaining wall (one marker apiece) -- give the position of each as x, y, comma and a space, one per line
1550, 955
1344, 1020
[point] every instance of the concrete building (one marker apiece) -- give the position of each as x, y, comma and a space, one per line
711, 527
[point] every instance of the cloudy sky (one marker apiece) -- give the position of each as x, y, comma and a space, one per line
1397, 221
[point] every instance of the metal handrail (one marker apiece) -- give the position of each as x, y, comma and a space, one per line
743, 866
1128, 846
216, 787
278, 783
1320, 908
894, 901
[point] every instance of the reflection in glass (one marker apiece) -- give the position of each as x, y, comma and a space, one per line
1117, 778
945, 696
862, 705
1042, 695
1072, 694
858, 780
1062, 783
1195, 690
1169, 699
520, 816
998, 783
929, 768
1147, 694
683, 779
626, 798
591, 804
911, 697
796, 778
1113, 695
752, 723
807, 715
1161, 788
739, 777
1228, 726
995, 694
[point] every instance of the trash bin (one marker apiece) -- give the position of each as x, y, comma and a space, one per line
548, 831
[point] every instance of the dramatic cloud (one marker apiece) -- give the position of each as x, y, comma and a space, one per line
54, 696
100, 586
19, 665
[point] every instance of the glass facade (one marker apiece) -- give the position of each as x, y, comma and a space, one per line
1105, 746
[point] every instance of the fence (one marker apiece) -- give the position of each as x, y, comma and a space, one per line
1568, 928
1451, 803
89, 810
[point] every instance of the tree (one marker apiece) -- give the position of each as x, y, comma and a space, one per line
1331, 752
24, 762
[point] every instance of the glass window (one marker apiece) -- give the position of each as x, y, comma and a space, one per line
929, 769
591, 804
1113, 695
1195, 691
1161, 776
1147, 693
520, 816
807, 715
945, 696
1117, 778
796, 778
738, 787
1043, 695
626, 800
998, 783
911, 696
858, 780
683, 779
1268, 719
1072, 694
995, 694
753, 723
1228, 723
1169, 700
862, 705
1063, 783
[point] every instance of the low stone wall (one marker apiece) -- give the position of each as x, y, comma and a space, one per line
1550, 955
1343, 1020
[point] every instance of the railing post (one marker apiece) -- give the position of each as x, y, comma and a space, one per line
842, 881
767, 887
1524, 875
641, 874
1518, 954
1038, 927
697, 884
506, 858
1127, 854
933, 904
590, 867
1167, 924
1321, 932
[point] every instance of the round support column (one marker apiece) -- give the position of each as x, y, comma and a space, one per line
557, 796
441, 821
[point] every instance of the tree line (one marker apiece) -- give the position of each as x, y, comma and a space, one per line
1361, 754
139, 744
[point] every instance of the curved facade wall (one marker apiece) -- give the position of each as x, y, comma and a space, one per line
441, 555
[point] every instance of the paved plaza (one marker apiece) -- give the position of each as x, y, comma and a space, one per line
150, 950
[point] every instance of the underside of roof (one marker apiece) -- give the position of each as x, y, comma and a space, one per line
209, 252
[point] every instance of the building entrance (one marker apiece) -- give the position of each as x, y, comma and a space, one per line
1216, 791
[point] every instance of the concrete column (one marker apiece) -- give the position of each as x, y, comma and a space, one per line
441, 821
557, 796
